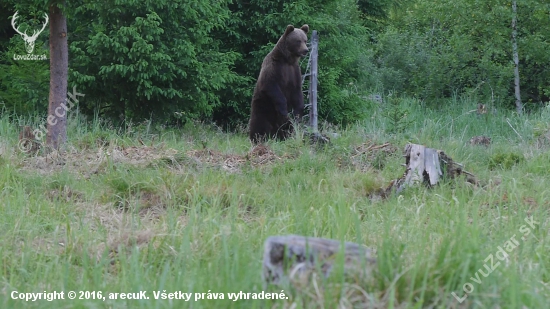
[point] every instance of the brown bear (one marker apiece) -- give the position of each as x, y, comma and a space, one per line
279, 88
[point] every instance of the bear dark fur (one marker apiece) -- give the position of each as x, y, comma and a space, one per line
279, 88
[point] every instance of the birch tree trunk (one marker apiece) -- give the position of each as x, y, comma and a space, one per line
519, 105
59, 66
313, 83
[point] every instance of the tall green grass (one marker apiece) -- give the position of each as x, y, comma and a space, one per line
184, 223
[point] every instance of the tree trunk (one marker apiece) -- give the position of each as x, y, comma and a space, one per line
314, 135
313, 84
59, 66
519, 105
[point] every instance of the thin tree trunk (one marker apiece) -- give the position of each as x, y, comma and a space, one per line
519, 105
313, 83
59, 66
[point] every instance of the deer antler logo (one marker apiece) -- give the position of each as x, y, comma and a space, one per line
29, 40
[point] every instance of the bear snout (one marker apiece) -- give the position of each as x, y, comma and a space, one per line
304, 52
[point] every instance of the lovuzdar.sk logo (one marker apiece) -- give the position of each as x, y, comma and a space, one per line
29, 40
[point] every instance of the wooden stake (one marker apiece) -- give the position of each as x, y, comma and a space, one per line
313, 83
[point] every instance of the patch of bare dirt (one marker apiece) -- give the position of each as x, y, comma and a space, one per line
116, 230
148, 204
111, 231
65, 194
260, 150
260, 155
370, 148
370, 154
480, 140
228, 162
93, 161
126, 240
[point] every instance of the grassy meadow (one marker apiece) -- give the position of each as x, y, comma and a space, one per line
152, 209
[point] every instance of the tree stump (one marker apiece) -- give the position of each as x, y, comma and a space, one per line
293, 258
428, 166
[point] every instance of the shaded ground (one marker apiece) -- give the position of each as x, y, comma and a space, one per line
93, 161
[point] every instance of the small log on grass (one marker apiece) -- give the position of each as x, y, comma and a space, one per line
293, 258
429, 166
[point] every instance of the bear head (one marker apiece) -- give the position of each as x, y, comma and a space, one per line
294, 41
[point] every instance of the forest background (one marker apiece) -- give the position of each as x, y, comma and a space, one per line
175, 61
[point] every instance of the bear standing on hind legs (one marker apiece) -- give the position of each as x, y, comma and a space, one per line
279, 88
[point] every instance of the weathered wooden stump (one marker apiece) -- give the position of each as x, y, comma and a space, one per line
293, 258
428, 166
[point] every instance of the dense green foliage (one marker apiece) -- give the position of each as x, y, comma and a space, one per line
175, 61
155, 59
445, 47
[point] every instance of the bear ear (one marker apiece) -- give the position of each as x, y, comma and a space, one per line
305, 28
289, 29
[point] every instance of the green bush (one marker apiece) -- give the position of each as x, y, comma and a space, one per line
505, 160
150, 60
433, 50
